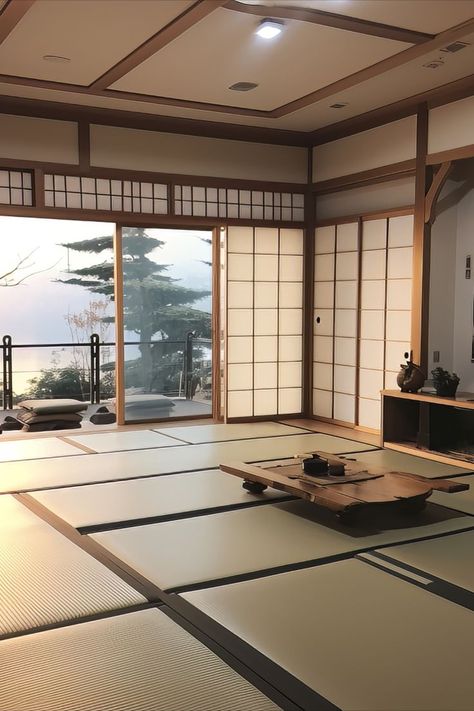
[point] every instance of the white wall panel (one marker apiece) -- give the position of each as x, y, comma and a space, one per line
30, 139
133, 149
451, 126
367, 198
374, 148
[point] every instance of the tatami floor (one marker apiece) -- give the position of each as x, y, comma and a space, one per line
136, 576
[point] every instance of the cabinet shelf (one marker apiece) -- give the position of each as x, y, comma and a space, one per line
430, 426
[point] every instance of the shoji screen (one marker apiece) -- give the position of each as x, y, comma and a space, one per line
362, 315
264, 321
335, 321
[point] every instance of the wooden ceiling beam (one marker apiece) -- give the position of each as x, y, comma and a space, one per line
392, 62
175, 28
330, 19
11, 15
62, 111
454, 91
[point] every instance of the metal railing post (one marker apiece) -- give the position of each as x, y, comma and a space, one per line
188, 364
95, 369
7, 373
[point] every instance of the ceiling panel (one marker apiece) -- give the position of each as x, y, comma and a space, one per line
223, 49
94, 35
431, 16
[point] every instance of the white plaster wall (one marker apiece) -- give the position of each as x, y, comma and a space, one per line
451, 126
451, 294
358, 201
132, 149
442, 285
383, 145
35, 139
464, 295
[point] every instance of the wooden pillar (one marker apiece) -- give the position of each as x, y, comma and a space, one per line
84, 145
308, 295
119, 330
421, 247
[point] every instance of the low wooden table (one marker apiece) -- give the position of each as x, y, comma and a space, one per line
360, 487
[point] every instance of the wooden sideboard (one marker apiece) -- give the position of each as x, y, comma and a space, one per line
438, 428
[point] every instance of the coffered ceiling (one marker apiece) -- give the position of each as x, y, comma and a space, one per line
178, 58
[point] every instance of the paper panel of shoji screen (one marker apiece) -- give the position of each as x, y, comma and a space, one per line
346, 321
399, 284
264, 321
323, 320
240, 321
372, 321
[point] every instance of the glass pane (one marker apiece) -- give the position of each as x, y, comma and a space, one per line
57, 284
167, 278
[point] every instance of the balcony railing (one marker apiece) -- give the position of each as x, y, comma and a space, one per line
174, 367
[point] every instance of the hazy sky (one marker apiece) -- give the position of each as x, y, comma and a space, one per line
34, 311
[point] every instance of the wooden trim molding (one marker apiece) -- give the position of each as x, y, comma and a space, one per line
436, 186
330, 19
384, 173
175, 28
375, 215
62, 111
396, 60
445, 94
98, 88
145, 175
462, 153
11, 15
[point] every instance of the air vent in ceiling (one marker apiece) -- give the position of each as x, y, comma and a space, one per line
455, 47
435, 64
243, 86
340, 105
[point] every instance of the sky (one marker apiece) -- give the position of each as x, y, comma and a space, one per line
34, 311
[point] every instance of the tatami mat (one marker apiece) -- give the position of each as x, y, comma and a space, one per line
123, 465
398, 461
141, 661
450, 558
461, 500
145, 498
122, 441
198, 550
360, 637
44, 578
220, 433
35, 449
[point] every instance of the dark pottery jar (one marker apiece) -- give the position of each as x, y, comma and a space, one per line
410, 378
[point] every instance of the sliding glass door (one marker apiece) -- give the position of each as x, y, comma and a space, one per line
167, 323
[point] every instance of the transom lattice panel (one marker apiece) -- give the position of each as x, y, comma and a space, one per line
16, 187
71, 191
234, 203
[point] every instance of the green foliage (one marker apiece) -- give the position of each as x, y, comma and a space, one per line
149, 294
156, 306
68, 382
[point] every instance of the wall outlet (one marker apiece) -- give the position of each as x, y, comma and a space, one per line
435, 356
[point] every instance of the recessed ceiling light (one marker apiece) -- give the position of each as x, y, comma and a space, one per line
56, 58
339, 105
269, 28
243, 86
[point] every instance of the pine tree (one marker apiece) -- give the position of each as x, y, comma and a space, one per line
155, 305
